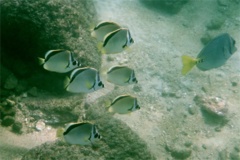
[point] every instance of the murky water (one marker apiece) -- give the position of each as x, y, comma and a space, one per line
178, 118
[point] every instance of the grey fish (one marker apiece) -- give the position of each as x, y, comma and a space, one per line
121, 75
103, 28
83, 133
59, 60
124, 104
84, 80
213, 55
116, 41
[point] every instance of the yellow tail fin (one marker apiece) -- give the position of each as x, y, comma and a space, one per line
41, 61
100, 48
59, 132
66, 82
188, 64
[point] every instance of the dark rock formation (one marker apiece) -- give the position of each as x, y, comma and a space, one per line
30, 28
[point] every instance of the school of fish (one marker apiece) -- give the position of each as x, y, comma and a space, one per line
114, 39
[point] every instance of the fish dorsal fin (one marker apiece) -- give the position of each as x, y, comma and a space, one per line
119, 98
188, 64
132, 76
89, 85
52, 53
110, 35
104, 23
133, 108
115, 68
76, 72
72, 127
128, 39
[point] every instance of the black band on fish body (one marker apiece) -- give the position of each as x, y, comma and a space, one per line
110, 36
79, 70
72, 127
102, 25
54, 52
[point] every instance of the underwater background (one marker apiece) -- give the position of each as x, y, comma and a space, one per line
196, 116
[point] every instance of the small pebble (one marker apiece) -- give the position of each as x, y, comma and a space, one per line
33, 92
7, 121
234, 84
10, 102
11, 82
40, 125
17, 127
204, 146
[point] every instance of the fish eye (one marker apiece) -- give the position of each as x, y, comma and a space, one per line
75, 63
135, 80
101, 84
131, 40
96, 135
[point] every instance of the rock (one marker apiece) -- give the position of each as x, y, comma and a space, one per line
206, 38
235, 156
222, 2
33, 92
4, 73
204, 146
22, 86
178, 152
7, 121
170, 6
118, 143
8, 111
10, 102
11, 82
40, 125
192, 110
213, 105
17, 127
223, 155
188, 143
234, 84
237, 148
215, 24
30, 28
137, 88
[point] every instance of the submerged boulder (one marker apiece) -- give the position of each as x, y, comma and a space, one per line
169, 6
30, 28
118, 142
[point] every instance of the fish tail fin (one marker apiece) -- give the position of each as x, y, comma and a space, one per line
188, 64
41, 61
103, 72
93, 34
59, 132
127, 48
66, 82
100, 48
91, 27
110, 109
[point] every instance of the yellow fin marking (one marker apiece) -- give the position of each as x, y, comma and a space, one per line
88, 85
110, 109
41, 61
66, 82
59, 132
188, 63
100, 46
